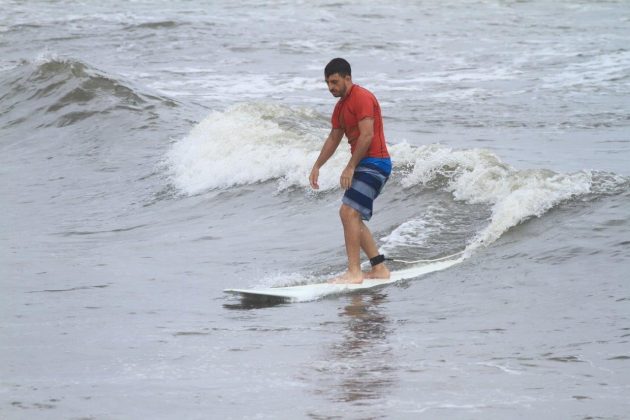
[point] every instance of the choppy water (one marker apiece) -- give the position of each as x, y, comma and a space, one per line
155, 153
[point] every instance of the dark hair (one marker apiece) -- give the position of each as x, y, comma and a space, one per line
338, 65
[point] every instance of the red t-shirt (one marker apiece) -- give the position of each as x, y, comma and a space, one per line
358, 104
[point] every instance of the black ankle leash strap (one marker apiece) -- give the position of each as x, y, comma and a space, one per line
377, 260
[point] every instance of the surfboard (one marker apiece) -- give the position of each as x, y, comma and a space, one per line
310, 292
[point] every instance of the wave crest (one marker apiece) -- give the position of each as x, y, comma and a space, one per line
66, 91
479, 176
251, 143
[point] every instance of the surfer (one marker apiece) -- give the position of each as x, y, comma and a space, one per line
357, 114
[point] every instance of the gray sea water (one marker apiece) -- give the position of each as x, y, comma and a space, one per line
154, 153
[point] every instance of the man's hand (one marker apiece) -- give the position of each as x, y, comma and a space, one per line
346, 177
329, 147
314, 177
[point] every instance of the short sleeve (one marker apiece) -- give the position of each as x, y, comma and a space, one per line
336, 120
364, 106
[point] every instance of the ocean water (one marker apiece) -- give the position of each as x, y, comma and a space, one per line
155, 153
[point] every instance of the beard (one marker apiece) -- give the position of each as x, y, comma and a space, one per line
339, 93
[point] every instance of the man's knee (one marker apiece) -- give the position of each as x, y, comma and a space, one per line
348, 213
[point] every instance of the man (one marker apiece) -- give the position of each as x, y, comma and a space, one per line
358, 116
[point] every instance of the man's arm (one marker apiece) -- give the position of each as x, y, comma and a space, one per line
329, 147
366, 134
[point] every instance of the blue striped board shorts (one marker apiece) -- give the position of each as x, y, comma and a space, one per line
367, 183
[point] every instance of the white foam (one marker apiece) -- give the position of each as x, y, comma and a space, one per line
441, 78
283, 279
47, 56
479, 176
610, 69
246, 144
413, 233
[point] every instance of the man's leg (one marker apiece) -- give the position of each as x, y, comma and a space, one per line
352, 224
368, 245
358, 236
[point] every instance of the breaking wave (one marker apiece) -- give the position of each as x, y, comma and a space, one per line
477, 176
253, 143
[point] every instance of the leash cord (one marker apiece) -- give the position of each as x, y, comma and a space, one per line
425, 261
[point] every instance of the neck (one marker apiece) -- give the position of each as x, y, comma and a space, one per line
348, 89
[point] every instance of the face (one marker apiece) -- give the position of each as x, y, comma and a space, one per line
338, 85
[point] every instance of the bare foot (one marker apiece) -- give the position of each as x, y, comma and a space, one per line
348, 278
378, 272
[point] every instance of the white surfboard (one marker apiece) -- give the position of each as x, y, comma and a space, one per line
308, 292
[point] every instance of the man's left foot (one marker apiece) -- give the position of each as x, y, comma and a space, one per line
378, 272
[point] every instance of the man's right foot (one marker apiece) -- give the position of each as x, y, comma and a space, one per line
348, 278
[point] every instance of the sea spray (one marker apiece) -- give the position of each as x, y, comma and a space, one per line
479, 176
251, 143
